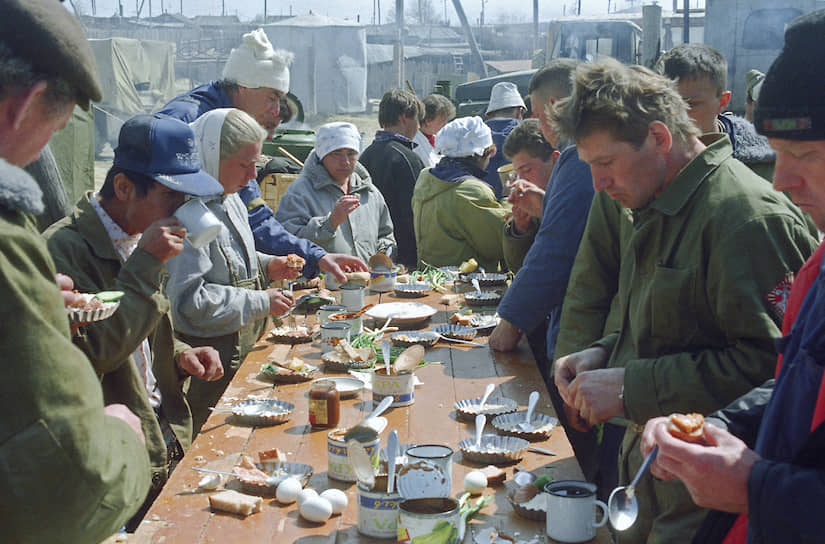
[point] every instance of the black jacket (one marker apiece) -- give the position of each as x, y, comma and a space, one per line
394, 168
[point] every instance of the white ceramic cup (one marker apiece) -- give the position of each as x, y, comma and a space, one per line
201, 224
329, 334
352, 296
571, 511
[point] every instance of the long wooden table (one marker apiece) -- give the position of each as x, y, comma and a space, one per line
181, 512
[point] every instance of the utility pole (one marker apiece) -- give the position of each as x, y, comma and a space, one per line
398, 49
686, 23
223, 8
535, 27
264, 11
459, 9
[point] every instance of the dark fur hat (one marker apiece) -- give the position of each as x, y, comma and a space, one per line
45, 34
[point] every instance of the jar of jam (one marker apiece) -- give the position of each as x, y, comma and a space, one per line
324, 404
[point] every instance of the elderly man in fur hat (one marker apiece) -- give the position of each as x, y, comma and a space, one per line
73, 470
255, 79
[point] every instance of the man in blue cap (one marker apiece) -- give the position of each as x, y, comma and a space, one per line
120, 239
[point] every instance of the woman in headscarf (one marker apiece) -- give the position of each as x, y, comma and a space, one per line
333, 202
456, 215
219, 292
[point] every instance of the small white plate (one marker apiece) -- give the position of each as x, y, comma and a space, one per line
346, 386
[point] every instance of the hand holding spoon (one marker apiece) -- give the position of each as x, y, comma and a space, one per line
622, 507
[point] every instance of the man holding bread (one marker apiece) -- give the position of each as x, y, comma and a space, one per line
702, 275
72, 469
760, 462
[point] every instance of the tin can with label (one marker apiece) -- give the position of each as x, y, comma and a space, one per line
378, 510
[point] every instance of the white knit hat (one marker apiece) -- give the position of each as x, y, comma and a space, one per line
463, 137
334, 136
505, 95
257, 64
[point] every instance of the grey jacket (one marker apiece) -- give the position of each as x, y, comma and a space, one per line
204, 302
305, 208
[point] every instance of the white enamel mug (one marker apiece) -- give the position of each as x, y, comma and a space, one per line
201, 224
571, 511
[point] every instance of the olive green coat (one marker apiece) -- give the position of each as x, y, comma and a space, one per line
455, 221
82, 249
69, 472
704, 272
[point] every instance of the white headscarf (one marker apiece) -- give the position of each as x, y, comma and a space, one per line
338, 135
207, 129
463, 137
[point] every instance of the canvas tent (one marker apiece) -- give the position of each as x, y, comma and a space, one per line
330, 68
137, 76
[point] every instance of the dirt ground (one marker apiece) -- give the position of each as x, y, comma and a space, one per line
367, 124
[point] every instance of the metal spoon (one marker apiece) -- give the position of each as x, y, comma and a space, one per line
385, 352
365, 433
622, 508
476, 286
531, 405
481, 421
487, 393
392, 453
459, 341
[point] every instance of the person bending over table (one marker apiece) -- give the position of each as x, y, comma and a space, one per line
219, 292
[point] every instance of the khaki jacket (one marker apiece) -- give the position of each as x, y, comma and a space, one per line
69, 472
704, 273
82, 249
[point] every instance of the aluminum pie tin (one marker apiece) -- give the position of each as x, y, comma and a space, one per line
542, 423
281, 335
81, 315
524, 509
262, 412
487, 280
494, 450
484, 322
411, 290
336, 361
287, 469
458, 332
468, 409
482, 298
411, 338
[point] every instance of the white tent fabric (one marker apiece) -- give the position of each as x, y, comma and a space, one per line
329, 73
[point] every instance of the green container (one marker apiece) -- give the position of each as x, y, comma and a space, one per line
297, 142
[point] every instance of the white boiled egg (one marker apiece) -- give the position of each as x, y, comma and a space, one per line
305, 494
288, 490
317, 509
337, 498
475, 482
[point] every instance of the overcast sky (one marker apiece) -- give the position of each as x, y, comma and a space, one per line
495, 10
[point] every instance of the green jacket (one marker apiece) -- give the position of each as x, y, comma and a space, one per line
455, 221
69, 472
82, 249
704, 275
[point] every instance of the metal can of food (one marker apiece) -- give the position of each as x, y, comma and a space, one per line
378, 510
398, 386
338, 466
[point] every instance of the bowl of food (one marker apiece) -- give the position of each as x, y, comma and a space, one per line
494, 449
482, 298
487, 280
263, 478
290, 335
89, 307
261, 412
468, 409
406, 339
509, 424
411, 290
457, 332
290, 371
532, 506
344, 358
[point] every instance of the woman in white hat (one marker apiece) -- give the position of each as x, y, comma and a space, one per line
218, 291
455, 214
333, 202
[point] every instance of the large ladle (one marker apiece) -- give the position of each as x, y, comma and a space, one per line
408, 360
622, 508
363, 432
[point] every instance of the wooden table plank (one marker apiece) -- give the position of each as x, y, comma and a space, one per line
181, 513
